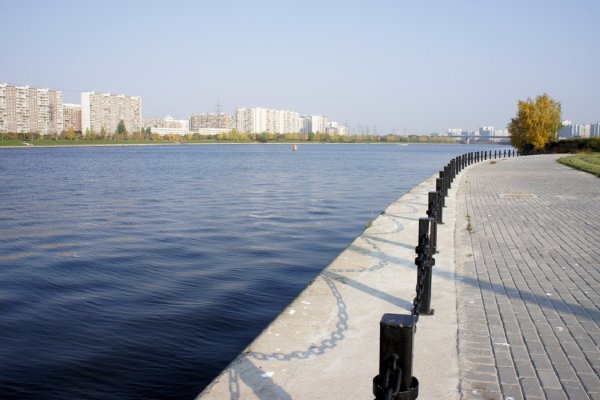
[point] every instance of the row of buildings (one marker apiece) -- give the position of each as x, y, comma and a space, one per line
571, 130
24, 109
249, 120
482, 133
29, 110
568, 130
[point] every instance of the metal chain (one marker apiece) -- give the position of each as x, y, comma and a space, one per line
392, 378
420, 261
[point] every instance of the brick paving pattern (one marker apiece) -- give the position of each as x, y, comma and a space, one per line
528, 285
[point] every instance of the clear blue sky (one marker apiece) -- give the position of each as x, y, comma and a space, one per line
423, 66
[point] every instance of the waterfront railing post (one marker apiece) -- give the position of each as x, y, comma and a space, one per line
440, 197
441, 188
448, 179
425, 263
432, 212
454, 164
396, 341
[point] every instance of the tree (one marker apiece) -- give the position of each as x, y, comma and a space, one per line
536, 124
121, 130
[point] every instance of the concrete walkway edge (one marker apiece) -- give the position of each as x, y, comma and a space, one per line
325, 344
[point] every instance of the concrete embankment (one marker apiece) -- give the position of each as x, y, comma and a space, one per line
325, 344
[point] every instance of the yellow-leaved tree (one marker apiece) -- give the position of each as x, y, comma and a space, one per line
537, 123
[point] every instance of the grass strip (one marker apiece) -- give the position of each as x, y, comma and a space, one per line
588, 162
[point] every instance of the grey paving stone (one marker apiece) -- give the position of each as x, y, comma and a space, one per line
531, 387
574, 390
508, 376
555, 394
512, 391
591, 382
548, 378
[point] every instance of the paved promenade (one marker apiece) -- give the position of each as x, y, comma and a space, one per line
528, 280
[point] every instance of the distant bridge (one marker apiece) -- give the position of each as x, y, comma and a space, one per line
477, 138
482, 137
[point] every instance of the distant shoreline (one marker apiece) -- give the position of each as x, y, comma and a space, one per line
228, 143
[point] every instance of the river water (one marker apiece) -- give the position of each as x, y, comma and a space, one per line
141, 272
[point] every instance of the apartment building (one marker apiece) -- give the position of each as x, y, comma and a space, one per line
202, 122
595, 130
168, 125
571, 130
27, 110
72, 117
318, 123
333, 128
103, 111
258, 120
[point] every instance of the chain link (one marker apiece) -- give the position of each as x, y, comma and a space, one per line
392, 378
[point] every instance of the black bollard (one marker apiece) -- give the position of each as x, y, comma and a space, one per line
424, 262
432, 212
441, 188
396, 340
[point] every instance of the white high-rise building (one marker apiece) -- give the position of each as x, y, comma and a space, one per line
259, 120
595, 130
486, 131
103, 111
304, 124
566, 131
30, 110
318, 123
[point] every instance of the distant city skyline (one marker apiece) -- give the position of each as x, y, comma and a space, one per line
390, 66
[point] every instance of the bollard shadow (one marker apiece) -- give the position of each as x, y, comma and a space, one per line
396, 301
259, 381
404, 217
387, 241
381, 255
526, 295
